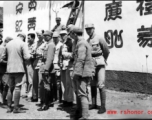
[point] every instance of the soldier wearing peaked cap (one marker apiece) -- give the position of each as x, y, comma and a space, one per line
46, 70
100, 53
82, 72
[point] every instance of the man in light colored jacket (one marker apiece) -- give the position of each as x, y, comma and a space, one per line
16, 52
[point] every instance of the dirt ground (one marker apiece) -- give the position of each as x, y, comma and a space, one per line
118, 103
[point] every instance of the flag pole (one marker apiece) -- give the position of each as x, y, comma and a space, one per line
49, 14
83, 13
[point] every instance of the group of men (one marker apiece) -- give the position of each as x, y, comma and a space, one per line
58, 66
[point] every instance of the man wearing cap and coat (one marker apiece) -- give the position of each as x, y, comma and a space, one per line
16, 52
65, 54
3, 74
82, 72
46, 70
100, 53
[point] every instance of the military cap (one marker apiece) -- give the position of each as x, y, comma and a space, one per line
56, 34
63, 32
77, 30
89, 26
39, 32
22, 34
47, 32
69, 28
58, 18
7, 39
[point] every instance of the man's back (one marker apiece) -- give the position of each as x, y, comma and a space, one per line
17, 51
83, 60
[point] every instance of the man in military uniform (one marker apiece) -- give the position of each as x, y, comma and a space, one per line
37, 64
100, 53
58, 27
82, 72
46, 70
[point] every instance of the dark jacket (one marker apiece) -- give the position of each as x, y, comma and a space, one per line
83, 62
3, 65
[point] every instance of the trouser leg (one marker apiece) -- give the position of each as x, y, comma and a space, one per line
17, 97
59, 90
93, 97
10, 96
84, 107
5, 91
82, 93
101, 85
54, 81
35, 84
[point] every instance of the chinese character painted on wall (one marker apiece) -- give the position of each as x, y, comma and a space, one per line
32, 5
19, 8
145, 36
31, 23
113, 10
114, 39
18, 25
148, 7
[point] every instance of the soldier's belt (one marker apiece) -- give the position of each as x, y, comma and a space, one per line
97, 55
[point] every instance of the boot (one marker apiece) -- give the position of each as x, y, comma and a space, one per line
9, 109
78, 112
17, 97
103, 100
40, 104
17, 110
5, 91
94, 98
85, 107
46, 101
9, 97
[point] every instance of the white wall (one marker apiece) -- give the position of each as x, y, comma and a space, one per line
10, 17
131, 56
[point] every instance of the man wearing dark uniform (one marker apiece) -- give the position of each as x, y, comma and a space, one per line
100, 53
